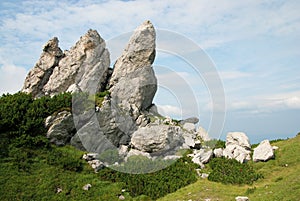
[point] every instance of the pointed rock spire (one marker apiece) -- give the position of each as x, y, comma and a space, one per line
133, 81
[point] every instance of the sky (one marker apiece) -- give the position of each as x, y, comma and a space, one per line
252, 46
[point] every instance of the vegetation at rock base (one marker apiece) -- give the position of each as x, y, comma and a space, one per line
230, 171
33, 169
156, 184
281, 180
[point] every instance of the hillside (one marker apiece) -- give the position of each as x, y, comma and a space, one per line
281, 180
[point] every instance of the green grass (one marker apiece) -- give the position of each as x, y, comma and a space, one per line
280, 182
41, 180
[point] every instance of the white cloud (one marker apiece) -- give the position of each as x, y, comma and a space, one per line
169, 110
12, 78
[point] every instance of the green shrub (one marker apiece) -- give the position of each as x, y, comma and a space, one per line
232, 172
22, 118
156, 184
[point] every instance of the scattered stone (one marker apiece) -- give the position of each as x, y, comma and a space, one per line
275, 148
204, 175
90, 156
218, 152
121, 197
96, 165
86, 187
263, 152
58, 190
242, 198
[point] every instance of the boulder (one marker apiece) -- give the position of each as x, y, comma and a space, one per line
218, 152
60, 128
155, 138
192, 120
239, 139
263, 152
237, 147
133, 81
189, 127
135, 152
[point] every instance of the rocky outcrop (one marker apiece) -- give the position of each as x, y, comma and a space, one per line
263, 152
237, 147
156, 138
40, 74
83, 68
133, 83
60, 128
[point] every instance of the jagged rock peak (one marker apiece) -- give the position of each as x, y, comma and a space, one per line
139, 52
85, 66
39, 75
52, 47
133, 83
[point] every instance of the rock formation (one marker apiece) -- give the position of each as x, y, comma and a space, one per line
263, 152
84, 67
237, 147
125, 121
133, 83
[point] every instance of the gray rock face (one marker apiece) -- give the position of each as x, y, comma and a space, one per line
83, 68
40, 74
202, 133
156, 138
133, 83
60, 128
237, 147
263, 152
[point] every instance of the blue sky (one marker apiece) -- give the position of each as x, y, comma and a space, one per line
253, 44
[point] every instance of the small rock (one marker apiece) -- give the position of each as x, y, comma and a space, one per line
121, 197
204, 175
242, 198
218, 152
86, 187
58, 190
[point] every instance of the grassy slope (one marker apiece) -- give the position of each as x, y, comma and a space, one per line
41, 182
280, 182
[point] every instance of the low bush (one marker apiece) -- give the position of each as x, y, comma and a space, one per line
230, 171
156, 184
